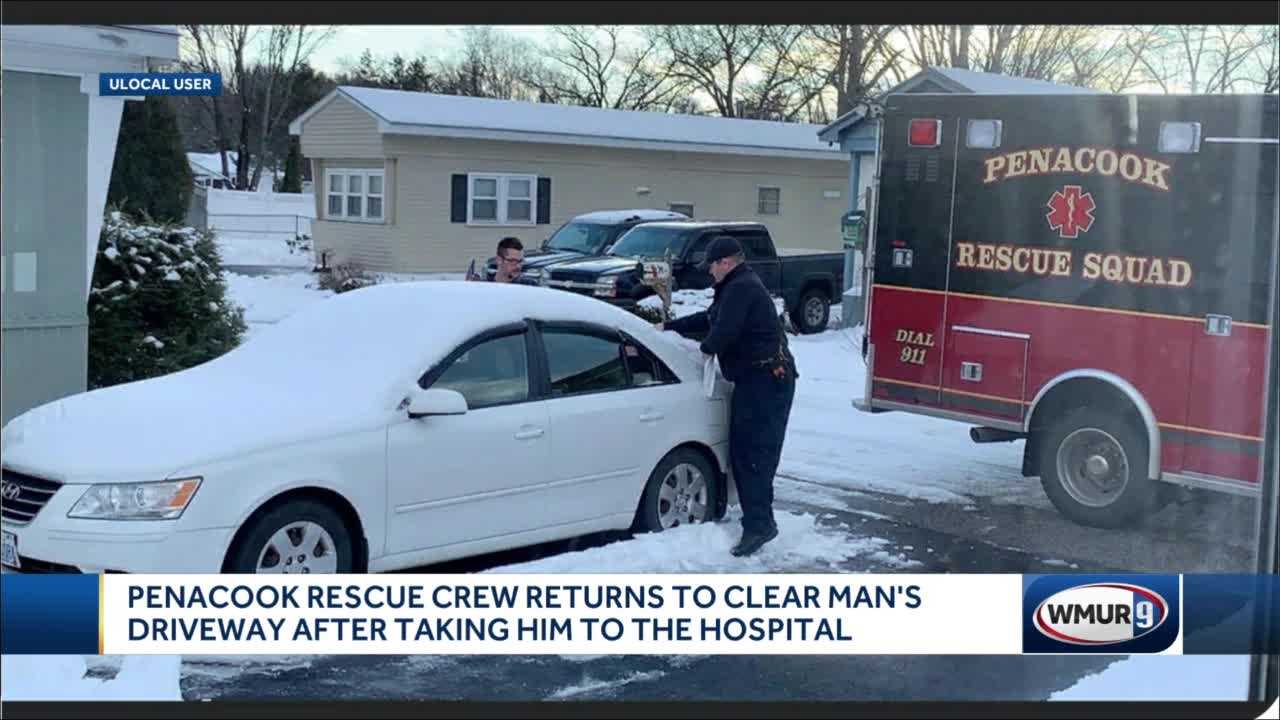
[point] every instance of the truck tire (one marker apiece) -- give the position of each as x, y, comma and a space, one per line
813, 312
1093, 467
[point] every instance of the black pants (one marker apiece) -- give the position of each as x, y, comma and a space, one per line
758, 417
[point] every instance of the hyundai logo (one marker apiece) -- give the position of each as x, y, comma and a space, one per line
10, 491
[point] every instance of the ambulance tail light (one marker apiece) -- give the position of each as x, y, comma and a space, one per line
1179, 137
984, 134
925, 133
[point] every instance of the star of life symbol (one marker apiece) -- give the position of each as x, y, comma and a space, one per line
1071, 211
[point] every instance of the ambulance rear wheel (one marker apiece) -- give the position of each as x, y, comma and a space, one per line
1093, 467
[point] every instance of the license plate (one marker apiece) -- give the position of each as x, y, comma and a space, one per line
10, 552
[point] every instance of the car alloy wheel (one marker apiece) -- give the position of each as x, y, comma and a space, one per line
299, 548
683, 497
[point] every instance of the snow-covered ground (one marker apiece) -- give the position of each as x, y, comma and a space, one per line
62, 677
267, 299
265, 249
1166, 678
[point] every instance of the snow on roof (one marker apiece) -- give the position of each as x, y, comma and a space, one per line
994, 84
956, 80
613, 217
457, 116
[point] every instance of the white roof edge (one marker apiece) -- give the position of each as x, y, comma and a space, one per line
600, 141
162, 29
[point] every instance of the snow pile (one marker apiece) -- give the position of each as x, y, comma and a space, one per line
268, 300
62, 677
802, 545
591, 686
1166, 678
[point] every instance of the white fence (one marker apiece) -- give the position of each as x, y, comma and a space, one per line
248, 213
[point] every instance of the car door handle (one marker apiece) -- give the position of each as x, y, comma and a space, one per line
529, 434
651, 416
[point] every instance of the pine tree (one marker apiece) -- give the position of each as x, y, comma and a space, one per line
293, 168
150, 175
159, 302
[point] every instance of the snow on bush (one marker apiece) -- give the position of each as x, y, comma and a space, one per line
158, 302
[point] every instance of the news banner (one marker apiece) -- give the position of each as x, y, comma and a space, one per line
934, 614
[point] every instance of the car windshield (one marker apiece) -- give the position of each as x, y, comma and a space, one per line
646, 241
582, 237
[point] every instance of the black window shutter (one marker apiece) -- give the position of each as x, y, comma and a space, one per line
544, 201
458, 201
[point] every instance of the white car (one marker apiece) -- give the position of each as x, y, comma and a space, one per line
380, 429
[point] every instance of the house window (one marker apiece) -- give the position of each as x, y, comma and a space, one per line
683, 208
769, 201
501, 199
355, 195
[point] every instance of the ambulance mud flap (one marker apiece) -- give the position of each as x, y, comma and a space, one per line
993, 435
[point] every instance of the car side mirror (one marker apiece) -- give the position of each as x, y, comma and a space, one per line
437, 401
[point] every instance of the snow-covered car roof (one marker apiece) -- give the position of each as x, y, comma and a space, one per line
336, 365
613, 217
700, 224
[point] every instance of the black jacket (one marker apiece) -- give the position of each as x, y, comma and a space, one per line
742, 325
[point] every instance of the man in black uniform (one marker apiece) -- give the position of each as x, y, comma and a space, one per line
743, 331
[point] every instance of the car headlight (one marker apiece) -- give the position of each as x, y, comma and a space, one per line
136, 501
607, 287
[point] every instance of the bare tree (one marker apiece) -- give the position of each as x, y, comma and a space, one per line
756, 71
1111, 60
493, 64
1053, 53
1235, 46
939, 45
863, 57
258, 84
792, 75
712, 58
217, 49
1266, 71
287, 49
1039, 52
600, 69
1207, 59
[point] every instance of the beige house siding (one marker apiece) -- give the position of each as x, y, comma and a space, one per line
341, 129
419, 236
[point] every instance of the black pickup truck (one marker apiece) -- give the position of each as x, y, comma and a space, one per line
808, 281
587, 235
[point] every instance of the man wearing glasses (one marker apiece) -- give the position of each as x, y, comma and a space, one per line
510, 260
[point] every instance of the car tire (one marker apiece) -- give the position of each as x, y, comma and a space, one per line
682, 481
812, 314
315, 532
1093, 467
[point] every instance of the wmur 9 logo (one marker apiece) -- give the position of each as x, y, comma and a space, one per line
1097, 614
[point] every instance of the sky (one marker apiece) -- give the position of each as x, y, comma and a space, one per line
384, 40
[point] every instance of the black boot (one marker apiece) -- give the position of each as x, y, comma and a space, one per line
753, 541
